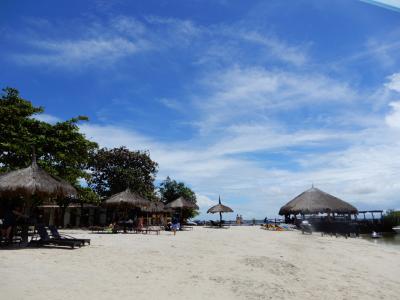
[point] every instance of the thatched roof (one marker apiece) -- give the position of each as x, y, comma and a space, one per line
71, 205
315, 201
181, 203
155, 206
219, 208
129, 198
34, 181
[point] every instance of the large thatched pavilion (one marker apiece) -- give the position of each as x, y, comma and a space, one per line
326, 213
314, 202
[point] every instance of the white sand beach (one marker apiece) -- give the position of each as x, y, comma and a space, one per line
234, 263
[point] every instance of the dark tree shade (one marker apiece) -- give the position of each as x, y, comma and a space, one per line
114, 170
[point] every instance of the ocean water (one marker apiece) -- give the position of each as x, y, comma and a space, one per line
388, 240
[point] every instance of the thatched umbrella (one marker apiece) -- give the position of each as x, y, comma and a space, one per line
34, 181
314, 201
219, 208
127, 198
155, 207
181, 203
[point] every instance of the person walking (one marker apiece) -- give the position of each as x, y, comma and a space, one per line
175, 225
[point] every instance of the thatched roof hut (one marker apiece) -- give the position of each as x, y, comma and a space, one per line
34, 181
314, 201
127, 198
181, 203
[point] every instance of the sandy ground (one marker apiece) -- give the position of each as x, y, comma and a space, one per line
234, 263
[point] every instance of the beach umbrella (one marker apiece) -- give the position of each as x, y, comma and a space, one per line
314, 201
129, 199
155, 207
219, 208
34, 181
180, 204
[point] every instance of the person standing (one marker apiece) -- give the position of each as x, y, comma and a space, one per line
175, 225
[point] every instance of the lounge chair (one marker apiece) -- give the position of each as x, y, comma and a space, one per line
45, 239
57, 235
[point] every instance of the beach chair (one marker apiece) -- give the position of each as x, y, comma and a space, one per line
57, 235
46, 240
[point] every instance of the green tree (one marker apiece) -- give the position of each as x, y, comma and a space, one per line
114, 170
171, 190
18, 130
60, 148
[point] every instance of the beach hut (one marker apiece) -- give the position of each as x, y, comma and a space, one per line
219, 208
315, 201
325, 213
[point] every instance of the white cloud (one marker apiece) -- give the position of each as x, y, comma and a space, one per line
204, 202
71, 54
254, 92
394, 82
277, 48
96, 43
47, 118
393, 118
104, 42
172, 104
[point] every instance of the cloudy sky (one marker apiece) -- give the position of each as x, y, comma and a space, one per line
251, 100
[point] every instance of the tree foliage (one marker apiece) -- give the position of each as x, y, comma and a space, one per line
60, 148
114, 170
171, 190
392, 218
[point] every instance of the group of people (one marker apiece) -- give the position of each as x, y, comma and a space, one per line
239, 219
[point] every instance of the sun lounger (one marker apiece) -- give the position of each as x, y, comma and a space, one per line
45, 239
57, 235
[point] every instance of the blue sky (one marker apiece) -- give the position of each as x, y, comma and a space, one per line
252, 100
